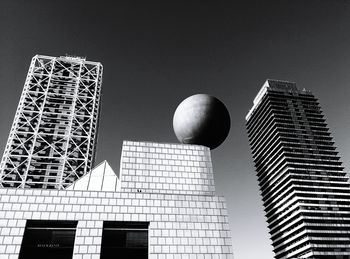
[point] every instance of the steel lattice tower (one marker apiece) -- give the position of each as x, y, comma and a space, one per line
305, 191
53, 136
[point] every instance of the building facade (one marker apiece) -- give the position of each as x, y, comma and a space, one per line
304, 189
52, 205
53, 136
166, 208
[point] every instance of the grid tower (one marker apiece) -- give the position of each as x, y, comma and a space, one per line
304, 189
53, 137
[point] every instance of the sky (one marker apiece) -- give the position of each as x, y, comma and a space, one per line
157, 53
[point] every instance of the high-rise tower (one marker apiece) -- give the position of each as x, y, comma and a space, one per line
306, 193
53, 136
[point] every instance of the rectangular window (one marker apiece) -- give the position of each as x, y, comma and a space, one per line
48, 239
124, 240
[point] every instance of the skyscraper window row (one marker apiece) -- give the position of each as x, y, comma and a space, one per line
302, 134
285, 201
272, 176
265, 141
320, 182
301, 123
296, 237
281, 214
297, 154
310, 184
286, 245
275, 183
285, 128
303, 209
277, 203
311, 153
312, 114
271, 158
297, 147
311, 195
315, 115
281, 108
295, 224
325, 207
275, 127
267, 147
265, 178
331, 214
265, 125
290, 237
292, 163
273, 179
308, 145
261, 115
274, 199
294, 250
277, 186
309, 161
274, 164
333, 191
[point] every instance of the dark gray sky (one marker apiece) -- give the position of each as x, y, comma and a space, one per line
155, 54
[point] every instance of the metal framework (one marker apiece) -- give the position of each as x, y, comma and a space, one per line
53, 136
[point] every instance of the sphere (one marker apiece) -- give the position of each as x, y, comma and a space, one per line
203, 120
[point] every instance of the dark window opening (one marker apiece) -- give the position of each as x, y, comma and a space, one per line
48, 239
124, 239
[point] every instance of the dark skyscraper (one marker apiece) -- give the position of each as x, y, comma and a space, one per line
53, 136
303, 186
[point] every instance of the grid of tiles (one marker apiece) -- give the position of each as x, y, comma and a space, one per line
166, 168
181, 226
88, 239
11, 233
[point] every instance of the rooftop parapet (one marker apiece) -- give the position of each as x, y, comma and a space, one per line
276, 85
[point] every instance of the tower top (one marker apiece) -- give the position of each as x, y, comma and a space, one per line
73, 57
276, 85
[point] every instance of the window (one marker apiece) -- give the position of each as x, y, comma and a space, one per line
48, 239
125, 239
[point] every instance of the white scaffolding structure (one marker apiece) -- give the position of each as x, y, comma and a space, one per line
53, 137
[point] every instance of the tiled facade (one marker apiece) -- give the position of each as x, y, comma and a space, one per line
166, 168
170, 186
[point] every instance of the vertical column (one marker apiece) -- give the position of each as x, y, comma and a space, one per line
11, 235
88, 240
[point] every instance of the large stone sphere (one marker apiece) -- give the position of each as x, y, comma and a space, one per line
203, 120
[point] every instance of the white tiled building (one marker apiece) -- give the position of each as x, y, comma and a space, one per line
163, 206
